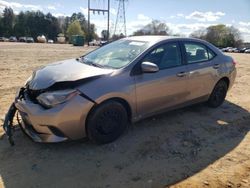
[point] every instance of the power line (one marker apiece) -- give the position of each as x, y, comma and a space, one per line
120, 24
98, 10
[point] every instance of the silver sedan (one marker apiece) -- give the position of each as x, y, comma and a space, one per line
100, 93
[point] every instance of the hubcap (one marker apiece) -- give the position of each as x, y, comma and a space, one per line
108, 122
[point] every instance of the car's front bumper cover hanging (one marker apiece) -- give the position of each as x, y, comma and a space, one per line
9, 117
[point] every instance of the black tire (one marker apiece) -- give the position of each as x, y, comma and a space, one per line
107, 122
218, 95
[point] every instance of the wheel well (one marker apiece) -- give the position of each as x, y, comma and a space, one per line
226, 80
125, 104
120, 100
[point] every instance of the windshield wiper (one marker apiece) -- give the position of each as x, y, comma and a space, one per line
96, 65
88, 62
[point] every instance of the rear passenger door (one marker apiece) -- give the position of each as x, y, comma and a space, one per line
202, 70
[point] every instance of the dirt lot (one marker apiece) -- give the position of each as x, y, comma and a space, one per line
191, 147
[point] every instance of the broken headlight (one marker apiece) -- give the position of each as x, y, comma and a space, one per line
51, 99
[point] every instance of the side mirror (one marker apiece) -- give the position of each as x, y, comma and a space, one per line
148, 67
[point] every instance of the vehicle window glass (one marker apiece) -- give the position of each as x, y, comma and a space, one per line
116, 54
211, 54
196, 52
165, 56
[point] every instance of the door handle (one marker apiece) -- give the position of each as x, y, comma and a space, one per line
181, 74
216, 66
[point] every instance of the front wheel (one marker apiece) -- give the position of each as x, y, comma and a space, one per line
107, 122
218, 95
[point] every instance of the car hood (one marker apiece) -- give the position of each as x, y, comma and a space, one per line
63, 71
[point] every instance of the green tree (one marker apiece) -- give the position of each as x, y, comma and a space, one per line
92, 33
81, 19
34, 23
20, 28
8, 21
74, 29
52, 26
1, 26
116, 37
198, 34
220, 35
89, 34
104, 34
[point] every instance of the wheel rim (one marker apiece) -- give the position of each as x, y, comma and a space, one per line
109, 121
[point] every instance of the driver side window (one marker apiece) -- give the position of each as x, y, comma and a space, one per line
165, 56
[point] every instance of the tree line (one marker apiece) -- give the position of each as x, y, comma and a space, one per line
219, 35
35, 23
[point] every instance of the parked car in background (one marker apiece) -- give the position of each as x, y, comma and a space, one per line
94, 43
50, 41
227, 49
12, 39
97, 94
61, 39
103, 42
222, 49
22, 39
41, 39
236, 50
230, 49
247, 51
242, 50
3, 39
29, 40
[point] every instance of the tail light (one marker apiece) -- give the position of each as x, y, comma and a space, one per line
234, 62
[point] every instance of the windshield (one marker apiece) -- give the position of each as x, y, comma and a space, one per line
116, 54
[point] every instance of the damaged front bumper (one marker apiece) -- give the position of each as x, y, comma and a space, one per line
8, 123
63, 122
9, 117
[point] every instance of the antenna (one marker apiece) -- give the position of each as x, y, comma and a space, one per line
120, 24
103, 11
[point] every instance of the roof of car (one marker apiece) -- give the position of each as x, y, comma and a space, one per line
157, 38
151, 38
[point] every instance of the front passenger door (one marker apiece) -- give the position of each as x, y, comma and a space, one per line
165, 88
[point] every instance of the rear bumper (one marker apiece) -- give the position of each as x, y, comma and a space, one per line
63, 122
232, 78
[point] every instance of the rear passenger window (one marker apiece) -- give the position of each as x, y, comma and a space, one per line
211, 54
197, 53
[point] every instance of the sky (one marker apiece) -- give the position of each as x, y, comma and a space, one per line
181, 16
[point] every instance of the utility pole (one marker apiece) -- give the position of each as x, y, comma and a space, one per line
93, 10
108, 18
88, 22
120, 24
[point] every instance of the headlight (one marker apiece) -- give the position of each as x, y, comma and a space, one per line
51, 99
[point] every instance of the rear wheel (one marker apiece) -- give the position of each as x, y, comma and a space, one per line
107, 122
218, 95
